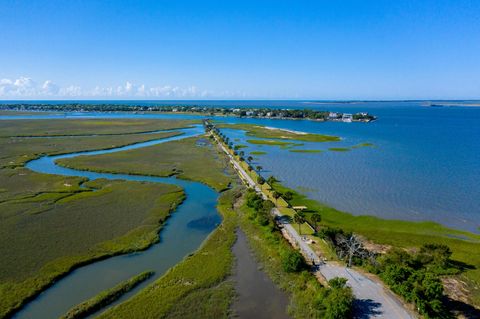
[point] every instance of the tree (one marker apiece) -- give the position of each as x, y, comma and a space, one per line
249, 168
275, 195
292, 261
316, 219
288, 195
242, 153
436, 254
271, 180
352, 246
338, 301
260, 180
299, 220
259, 168
249, 158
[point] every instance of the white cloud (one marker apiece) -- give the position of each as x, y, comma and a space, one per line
27, 88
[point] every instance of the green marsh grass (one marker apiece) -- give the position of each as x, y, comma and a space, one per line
106, 297
183, 158
264, 132
197, 287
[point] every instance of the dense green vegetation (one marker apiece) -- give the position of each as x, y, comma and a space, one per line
465, 246
106, 297
416, 276
198, 286
264, 132
286, 267
190, 158
61, 127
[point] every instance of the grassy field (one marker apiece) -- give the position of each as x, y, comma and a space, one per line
464, 245
106, 297
264, 132
195, 288
56, 127
191, 158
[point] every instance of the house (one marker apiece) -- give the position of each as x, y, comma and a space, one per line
347, 118
332, 115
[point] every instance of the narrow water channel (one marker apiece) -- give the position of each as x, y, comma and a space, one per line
180, 236
257, 296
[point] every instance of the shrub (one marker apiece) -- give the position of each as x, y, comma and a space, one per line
292, 261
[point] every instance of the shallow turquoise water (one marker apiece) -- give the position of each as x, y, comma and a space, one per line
182, 234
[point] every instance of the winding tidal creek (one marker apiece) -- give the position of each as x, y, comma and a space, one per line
178, 238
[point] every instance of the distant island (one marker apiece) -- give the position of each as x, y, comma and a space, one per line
271, 113
452, 104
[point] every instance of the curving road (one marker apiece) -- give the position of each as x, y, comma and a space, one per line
372, 299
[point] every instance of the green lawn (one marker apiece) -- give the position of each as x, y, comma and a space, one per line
184, 158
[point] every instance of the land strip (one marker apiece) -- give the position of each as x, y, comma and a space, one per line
363, 287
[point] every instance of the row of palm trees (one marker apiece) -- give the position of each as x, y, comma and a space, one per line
299, 217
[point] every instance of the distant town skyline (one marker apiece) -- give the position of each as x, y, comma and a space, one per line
322, 50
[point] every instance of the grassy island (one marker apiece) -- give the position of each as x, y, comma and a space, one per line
190, 158
106, 297
270, 132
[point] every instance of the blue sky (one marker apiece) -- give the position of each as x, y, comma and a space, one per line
357, 49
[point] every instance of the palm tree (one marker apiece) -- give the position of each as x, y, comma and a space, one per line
249, 158
242, 153
271, 180
316, 219
259, 168
299, 220
275, 195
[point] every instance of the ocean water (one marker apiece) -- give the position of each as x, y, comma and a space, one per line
424, 165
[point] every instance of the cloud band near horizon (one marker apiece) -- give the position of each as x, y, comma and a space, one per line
27, 88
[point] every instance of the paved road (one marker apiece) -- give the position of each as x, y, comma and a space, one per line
372, 300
